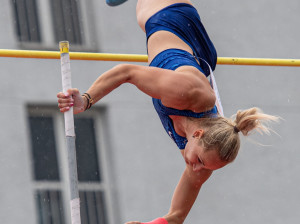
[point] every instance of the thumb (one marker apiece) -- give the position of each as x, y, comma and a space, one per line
72, 92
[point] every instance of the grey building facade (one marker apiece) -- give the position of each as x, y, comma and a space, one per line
128, 167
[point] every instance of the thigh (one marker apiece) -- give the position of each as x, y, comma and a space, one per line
146, 8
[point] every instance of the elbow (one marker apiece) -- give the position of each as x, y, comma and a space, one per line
124, 70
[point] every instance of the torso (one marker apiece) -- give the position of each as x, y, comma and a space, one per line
160, 40
164, 47
163, 40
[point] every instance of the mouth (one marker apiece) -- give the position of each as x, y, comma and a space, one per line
190, 164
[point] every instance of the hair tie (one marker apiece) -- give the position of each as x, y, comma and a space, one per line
236, 130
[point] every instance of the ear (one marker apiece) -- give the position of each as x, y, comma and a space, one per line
198, 134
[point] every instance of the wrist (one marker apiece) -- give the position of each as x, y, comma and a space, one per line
88, 101
173, 218
157, 221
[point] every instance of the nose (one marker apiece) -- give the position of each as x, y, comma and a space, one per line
197, 167
191, 159
187, 161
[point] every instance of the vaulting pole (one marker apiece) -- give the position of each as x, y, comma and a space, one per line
70, 135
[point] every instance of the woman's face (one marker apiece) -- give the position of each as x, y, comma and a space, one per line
199, 158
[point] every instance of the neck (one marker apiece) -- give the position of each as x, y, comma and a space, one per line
184, 126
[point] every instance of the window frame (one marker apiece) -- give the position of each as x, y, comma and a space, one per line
47, 32
21, 12
98, 114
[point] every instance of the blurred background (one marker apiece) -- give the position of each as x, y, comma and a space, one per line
127, 165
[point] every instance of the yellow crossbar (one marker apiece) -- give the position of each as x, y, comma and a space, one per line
142, 58
259, 61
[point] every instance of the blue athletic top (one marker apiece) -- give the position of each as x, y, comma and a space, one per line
183, 20
172, 59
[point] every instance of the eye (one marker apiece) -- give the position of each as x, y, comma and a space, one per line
201, 161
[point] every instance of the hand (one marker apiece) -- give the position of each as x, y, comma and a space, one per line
72, 98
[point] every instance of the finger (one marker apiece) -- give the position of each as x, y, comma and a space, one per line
65, 105
62, 95
62, 100
65, 109
72, 91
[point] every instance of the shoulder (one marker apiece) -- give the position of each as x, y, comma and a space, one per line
201, 96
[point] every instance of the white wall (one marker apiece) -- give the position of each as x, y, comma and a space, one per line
260, 186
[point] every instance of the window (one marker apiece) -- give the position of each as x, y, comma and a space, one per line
49, 162
86, 151
92, 210
44, 149
43, 23
65, 15
26, 20
50, 206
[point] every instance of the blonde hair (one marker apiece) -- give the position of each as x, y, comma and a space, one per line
222, 133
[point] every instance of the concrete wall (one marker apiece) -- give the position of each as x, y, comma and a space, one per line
259, 187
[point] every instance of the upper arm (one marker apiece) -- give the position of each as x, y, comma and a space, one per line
185, 89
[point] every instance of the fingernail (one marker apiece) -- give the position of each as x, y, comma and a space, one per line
66, 94
71, 104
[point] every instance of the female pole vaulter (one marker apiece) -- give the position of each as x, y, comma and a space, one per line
181, 58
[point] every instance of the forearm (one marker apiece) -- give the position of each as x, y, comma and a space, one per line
185, 195
109, 81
